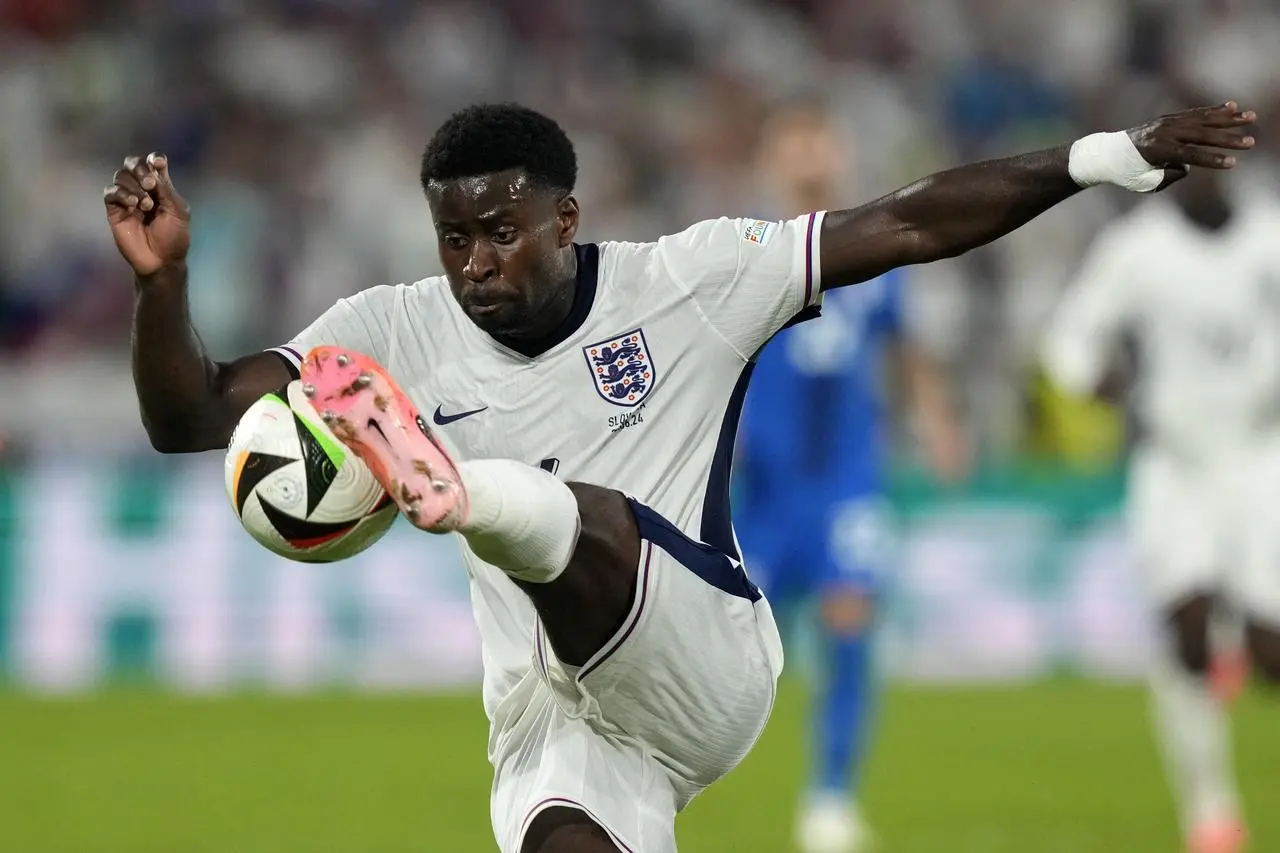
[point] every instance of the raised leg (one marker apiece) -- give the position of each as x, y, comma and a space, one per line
573, 548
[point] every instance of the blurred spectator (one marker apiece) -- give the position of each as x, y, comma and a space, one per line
294, 128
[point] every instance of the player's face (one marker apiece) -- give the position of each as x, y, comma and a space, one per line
502, 241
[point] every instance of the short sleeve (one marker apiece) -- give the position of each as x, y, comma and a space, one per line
748, 277
361, 322
1085, 328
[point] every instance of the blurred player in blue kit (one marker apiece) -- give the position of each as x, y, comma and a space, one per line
811, 510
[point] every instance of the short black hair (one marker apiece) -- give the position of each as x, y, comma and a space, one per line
487, 138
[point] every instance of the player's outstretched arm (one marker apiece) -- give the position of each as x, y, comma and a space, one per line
951, 212
188, 402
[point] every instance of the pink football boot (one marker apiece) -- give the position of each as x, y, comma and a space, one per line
369, 413
1221, 836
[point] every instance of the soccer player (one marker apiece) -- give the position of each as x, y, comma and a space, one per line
1194, 282
569, 411
812, 513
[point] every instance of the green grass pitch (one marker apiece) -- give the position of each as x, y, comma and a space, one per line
1061, 766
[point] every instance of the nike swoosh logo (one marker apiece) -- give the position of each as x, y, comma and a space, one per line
441, 418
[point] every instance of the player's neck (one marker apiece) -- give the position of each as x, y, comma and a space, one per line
553, 314
564, 312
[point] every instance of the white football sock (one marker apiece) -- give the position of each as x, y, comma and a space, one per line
1194, 733
521, 519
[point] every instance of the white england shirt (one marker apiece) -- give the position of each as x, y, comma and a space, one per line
1204, 308
642, 397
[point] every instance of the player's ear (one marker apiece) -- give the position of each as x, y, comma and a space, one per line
567, 219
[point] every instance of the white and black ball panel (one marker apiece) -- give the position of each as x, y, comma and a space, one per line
296, 488
339, 486
259, 432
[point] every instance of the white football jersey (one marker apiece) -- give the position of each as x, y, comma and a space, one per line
1204, 309
643, 396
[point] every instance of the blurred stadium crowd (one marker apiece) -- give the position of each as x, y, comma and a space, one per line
294, 127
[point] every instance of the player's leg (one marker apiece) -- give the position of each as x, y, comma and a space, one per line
560, 783
831, 821
845, 619
1229, 653
692, 673
1194, 730
566, 830
673, 648
853, 543
1177, 522
574, 549
674, 701
583, 606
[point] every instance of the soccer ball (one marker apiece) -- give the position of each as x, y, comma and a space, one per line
297, 489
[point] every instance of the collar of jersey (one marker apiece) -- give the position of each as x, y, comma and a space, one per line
584, 298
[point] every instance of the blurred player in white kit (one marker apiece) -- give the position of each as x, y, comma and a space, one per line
1193, 280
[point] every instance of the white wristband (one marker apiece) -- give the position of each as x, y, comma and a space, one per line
1112, 158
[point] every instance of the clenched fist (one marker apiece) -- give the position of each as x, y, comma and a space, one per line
150, 222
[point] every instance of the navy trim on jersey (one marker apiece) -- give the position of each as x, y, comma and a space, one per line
717, 516
293, 368
717, 521
706, 561
809, 312
584, 296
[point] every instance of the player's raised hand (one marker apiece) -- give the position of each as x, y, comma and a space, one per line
150, 222
1203, 137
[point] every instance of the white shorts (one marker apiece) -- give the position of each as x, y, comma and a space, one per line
1209, 527
673, 702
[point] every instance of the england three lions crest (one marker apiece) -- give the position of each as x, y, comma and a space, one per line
621, 368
